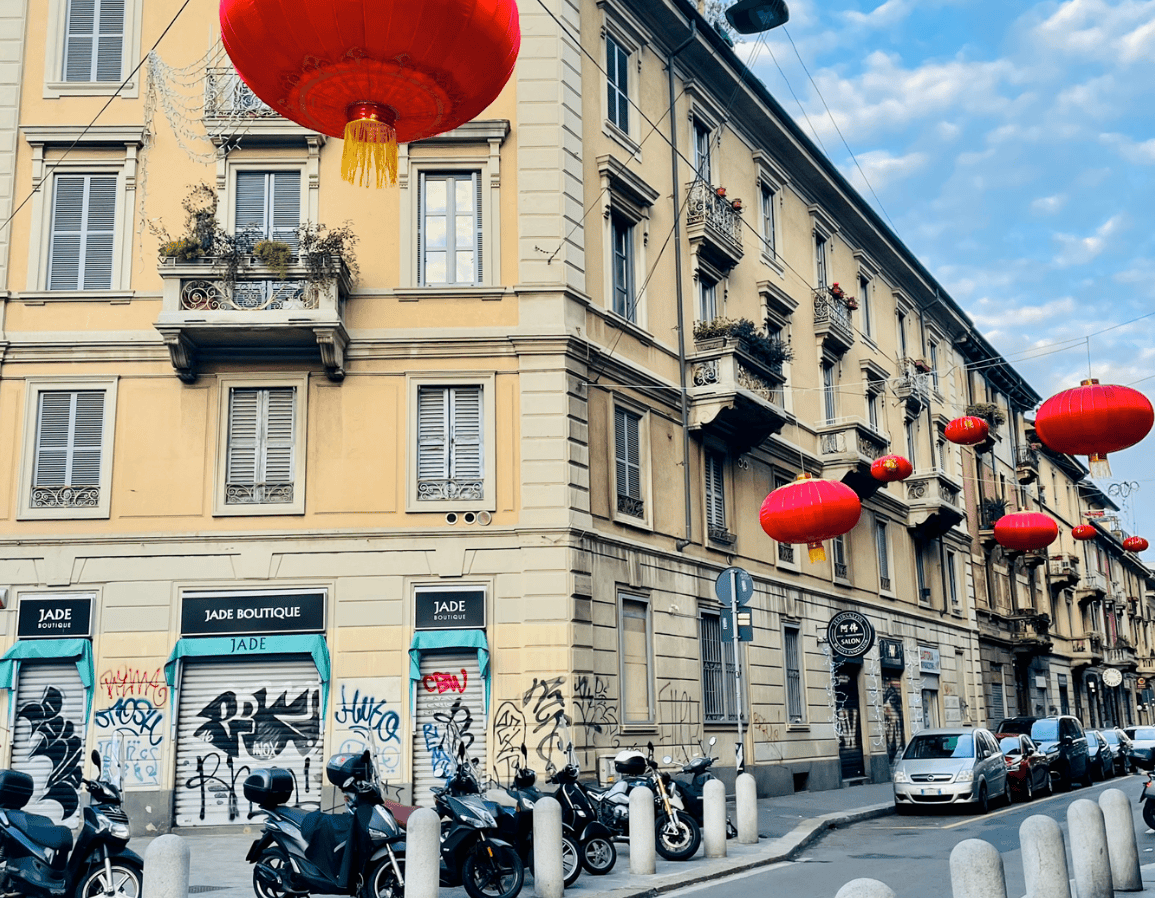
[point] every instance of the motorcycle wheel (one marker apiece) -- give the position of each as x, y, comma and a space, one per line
275, 859
127, 879
571, 860
599, 854
681, 840
1149, 813
382, 881
499, 876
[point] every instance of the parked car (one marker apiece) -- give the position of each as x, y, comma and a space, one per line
1142, 745
950, 766
1062, 735
1100, 758
1121, 747
1028, 767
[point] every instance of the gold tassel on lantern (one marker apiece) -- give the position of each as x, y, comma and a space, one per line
370, 145
817, 553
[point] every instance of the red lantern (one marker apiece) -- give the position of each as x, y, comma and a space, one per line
890, 468
1084, 532
1093, 420
1025, 530
1135, 544
967, 431
373, 71
809, 511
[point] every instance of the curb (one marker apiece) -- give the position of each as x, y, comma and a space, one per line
783, 848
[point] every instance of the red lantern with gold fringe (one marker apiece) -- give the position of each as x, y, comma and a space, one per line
1094, 419
809, 511
967, 431
1136, 544
1084, 532
376, 72
1025, 530
890, 468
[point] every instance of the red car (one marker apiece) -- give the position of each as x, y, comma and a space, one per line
1028, 768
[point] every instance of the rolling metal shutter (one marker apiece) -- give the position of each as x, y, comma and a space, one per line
48, 743
450, 707
235, 716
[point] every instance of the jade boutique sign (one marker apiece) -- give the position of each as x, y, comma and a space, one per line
234, 615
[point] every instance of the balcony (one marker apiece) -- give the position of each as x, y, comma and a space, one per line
848, 447
713, 225
733, 394
1031, 634
1087, 650
913, 385
1026, 464
204, 317
832, 321
933, 499
1122, 655
1063, 570
1092, 586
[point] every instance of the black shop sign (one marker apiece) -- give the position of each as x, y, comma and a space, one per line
850, 634
242, 614
55, 618
890, 654
449, 609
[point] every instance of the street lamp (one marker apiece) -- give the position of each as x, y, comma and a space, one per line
753, 16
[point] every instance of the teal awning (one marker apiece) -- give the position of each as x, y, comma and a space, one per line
440, 640
50, 649
225, 647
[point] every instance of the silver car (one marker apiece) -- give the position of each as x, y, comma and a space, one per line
950, 766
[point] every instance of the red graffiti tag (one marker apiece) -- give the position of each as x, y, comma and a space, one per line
128, 682
444, 682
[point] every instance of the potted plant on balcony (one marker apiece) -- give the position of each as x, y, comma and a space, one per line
769, 351
988, 411
276, 254
991, 510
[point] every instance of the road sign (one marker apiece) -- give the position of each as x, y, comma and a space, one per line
850, 634
745, 626
743, 585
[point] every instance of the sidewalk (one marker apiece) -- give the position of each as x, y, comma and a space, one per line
786, 824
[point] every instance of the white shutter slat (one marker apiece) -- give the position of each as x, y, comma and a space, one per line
64, 253
480, 273
250, 205
633, 459
79, 40
88, 434
241, 463
52, 440
466, 433
286, 207
432, 433
278, 448
620, 452
109, 40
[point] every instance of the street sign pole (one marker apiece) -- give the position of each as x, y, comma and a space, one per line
740, 751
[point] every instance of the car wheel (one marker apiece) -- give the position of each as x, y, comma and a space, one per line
1088, 775
903, 809
1008, 799
983, 802
1049, 785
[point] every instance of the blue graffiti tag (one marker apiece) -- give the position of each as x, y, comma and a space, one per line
368, 713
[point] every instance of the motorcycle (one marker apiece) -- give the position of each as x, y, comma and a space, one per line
38, 858
598, 852
359, 853
1147, 796
690, 786
471, 855
677, 834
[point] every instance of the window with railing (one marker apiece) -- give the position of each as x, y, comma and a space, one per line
792, 660
841, 568
628, 462
883, 555
719, 699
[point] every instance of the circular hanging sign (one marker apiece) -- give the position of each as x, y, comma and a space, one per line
1112, 677
850, 634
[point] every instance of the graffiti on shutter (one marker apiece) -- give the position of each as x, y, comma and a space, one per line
450, 712
48, 743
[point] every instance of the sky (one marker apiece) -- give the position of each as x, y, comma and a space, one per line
1011, 146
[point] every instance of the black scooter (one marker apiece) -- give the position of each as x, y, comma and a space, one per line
300, 852
38, 858
598, 852
1147, 796
691, 784
515, 824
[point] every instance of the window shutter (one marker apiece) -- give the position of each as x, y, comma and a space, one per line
629, 477
241, 463
250, 205
100, 233
52, 442
278, 449
432, 434
421, 230
67, 233
286, 211
466, 433
110, 41
70, 429
620, 452
715, 497
79, 39
478, 278
88, 433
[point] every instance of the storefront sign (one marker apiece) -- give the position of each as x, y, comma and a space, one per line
1112, 677
890, 654
57, 617
928, 660
850, 634
229, 615
449, 609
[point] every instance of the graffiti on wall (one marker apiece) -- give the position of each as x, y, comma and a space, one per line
595, 714
56, 739
365, 716
547, 717
129, 734
131, 682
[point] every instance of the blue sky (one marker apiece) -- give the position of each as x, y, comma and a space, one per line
1012, 148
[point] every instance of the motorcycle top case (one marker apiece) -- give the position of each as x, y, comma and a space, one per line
342, 768
630, 763
15, 789
269, 786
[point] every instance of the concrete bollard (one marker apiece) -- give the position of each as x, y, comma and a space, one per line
548, 881
865, 888
1089, 859
976, 870
1121, 844
166, 865
714, 818
642, 848
1044, 858
423, 854
746, 796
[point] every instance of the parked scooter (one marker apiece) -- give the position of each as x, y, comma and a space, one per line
299, 852
691, 784
677, 834
1147, 796
38, 858
578, 811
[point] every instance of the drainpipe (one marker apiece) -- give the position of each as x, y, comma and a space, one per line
685, 541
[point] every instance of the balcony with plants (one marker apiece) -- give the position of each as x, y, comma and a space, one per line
832, 322
1087, 650
995, 418
934, 500
912, 386
714, 224
238, 295
736, 381
1063, 570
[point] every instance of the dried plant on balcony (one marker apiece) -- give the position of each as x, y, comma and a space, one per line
992, 510
322, 249
988, 411
275, 254
769, 351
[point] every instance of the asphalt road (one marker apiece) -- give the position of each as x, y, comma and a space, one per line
911, 854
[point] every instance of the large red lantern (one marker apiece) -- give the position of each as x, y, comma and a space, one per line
809, 511
890, 468
1025, 530
1135, 544
967, 431
1084, 532
373, 71
1094, 419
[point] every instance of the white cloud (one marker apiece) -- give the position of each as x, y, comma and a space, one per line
881, 169
1049, 205
1131, 150
1119, 32
1074, 250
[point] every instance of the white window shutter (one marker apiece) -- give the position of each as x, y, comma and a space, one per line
83, 237
250, 206
69, 434
466, 433
278, 449
715, 497
88, 433
110, 41
67, 232
286, 207
244, 411
79, 39
432, 433
421, 229
620, 453
52, 440
633, 456
100, 233
479, 277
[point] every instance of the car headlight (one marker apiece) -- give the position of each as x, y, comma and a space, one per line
900, 776
964, 776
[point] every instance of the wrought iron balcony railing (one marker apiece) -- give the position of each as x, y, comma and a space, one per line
227, 96
832, 321
713, 221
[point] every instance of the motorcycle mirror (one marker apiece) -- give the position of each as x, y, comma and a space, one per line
650, 746
667, 759
439, 771
713, 741
96, 758
475, 762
